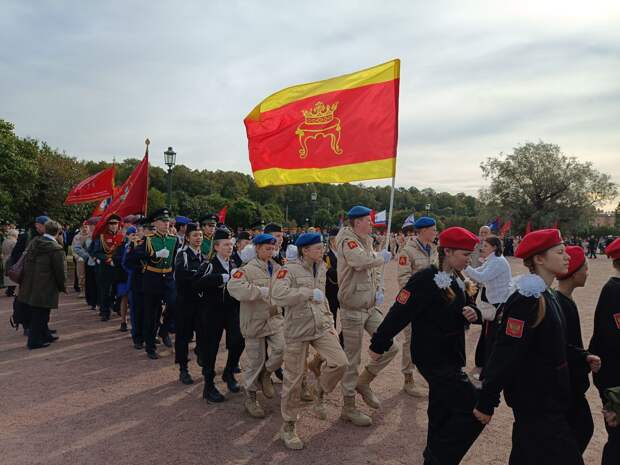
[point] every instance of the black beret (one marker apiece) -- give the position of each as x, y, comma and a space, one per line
222, 233
272, 227
244, 235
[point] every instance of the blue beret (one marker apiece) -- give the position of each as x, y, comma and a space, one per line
424, 222
41, 219
308, 239
131, 230
358, 211
264, 239
181, 220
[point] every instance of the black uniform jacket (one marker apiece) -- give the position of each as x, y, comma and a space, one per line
437, 325
331, 260
606, 337
186, 267
210, 280
528, 363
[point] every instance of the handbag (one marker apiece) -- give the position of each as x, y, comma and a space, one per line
16, 270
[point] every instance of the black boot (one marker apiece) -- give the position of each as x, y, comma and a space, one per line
210, 392
229, 378
185, 377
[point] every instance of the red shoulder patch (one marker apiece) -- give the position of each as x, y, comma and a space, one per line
403, 296
352, 244
402, 260
617, 318
237, 274
514, 328
281, 273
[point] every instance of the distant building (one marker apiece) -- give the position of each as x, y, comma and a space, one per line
605, 219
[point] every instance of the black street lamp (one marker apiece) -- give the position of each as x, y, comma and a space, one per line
428, 209
313, 197
170, 158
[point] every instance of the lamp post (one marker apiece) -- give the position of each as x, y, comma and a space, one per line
428, 209
170, 157
313, 197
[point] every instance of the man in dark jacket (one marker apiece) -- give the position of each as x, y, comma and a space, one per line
44, 279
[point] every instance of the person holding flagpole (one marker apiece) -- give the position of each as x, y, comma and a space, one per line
360, 294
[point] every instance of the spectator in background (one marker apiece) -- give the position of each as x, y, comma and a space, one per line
44, 279
7, 248
78, 260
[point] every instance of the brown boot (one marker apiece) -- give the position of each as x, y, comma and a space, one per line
351, 414
319, 402
315, 365
411, 388
254, 409
306, 391
288, 434
265, 381
363, 387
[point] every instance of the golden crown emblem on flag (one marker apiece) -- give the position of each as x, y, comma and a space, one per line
319, 121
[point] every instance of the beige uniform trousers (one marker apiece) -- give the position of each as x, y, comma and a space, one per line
295, 355
406, 362
354, 322
255, 352
80, 267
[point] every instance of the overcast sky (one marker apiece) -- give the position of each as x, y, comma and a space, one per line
477, 78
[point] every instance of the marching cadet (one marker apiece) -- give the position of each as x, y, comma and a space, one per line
260, 321
220, 313
529, 360
103, 249
208, 224
579, 415
243, 239
299, 288
190, 302
360, 294
419, 252
276, 231
136, 289
157, 253
606, 343
435, 303
180, 224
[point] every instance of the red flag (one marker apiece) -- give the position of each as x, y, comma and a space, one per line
132, 196
505, 228
101, 206
528, 228
222, 215
96, 187
372, 216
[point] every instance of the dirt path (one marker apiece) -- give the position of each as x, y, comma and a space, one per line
92, 399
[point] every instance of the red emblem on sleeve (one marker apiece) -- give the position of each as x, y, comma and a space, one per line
237, 274
282, 273
402, 260
617, 318
352, 244
403, 296
514, 327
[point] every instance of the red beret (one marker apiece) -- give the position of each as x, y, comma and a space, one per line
458, 238
537, 242
613, 250
577, 259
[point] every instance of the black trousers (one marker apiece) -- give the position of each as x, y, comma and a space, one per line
580, 422
136, 308
213, 322
153, 299
334, 305
105, 282
91, 286
611, 450
452, 427
543, 438
39, 318
187, 321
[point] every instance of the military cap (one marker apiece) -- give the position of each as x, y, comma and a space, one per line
191, 227
131, 230
162, 214
260, 224
42, 219
222, 233
537, 242
308, 239
264, 239
358, 211
272, 227
424, 222
209, 218
181, 220
113, 219
244, 235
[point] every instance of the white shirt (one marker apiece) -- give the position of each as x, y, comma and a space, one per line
495, 274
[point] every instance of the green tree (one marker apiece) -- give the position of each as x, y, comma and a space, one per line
538, 183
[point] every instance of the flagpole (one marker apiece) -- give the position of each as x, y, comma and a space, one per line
389, 218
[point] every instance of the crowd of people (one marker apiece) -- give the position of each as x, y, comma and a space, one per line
297, 303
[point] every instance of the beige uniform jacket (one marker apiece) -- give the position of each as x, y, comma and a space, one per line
293, 288
258, 316
359, 275
411, 258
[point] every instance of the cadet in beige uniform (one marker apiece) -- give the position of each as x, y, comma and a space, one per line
418, 252
359, 294
260, 321
299, 287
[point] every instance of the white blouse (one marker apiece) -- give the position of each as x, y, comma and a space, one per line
496, 275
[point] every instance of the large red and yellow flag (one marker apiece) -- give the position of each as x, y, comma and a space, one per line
338, 130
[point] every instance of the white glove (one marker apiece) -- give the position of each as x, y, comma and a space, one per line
317, 295
291, 252
387, 256
248, 253
163, 253
225, 278
264, 292
379, 298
